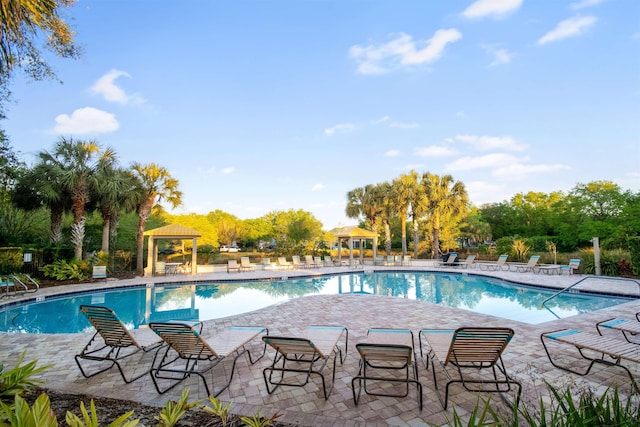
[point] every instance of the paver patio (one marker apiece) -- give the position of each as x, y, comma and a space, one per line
525, 357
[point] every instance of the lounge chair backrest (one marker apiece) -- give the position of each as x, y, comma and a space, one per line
184, 339
295, 259
317, 260
110, 328
245, 261
266, 262
452, 258
161, 267
574, 264
385, 352
470, 259
478, 345
502, 259
308, 259
291, 345
533, 260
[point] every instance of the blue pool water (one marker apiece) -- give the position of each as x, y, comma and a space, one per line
140, 305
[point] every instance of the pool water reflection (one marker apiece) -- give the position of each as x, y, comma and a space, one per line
141, 305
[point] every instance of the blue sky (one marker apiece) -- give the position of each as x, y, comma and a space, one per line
257, 106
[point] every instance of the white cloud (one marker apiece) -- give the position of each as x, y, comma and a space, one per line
402, 52
209, 171
318, 187
107, 87
500, 55
494, 8
485, 143
517, 171
435, 151
392, 153
495, 160
86, 120
343, 127
585, 3
227, 170
483, 192
570, 27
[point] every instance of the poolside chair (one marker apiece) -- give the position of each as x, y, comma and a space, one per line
523, 268
379, 260
113, 342
309, 262
501, 264
188, 353
472, 352
467, 263
391, 260
572, 268
297, 359
317, 260
283, 264
406, 260
295, 261
610, 351
628, 328
246, 264
328, 262
386, 358
267, 264
397, 260
232, 265
161, 269
449, 261
99, 272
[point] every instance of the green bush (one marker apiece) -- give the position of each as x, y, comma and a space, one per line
63, 270
10, 260
17, 380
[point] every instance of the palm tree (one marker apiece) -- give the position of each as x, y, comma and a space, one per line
366, 202
114, 193
419, 204
386, 212
447, 200
402, 191
75, 166
155, 184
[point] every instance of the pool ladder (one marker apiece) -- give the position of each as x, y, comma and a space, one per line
568, 288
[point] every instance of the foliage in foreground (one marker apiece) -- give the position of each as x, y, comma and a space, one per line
565, 410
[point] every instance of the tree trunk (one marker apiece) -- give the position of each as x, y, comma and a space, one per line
106, 224
403, 222
144, 212
387, 237
56, 224
77, 238
416, 238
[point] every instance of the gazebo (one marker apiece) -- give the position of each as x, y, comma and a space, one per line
351, 234
171, 232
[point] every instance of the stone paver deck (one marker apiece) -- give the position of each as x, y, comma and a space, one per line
525, 357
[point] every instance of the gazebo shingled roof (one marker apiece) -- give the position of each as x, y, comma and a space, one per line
173, 230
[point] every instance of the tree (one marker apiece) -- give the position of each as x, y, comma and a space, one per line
75, 166
448, 202
387, 211
114, 193
365, 202
155, 184
22, 23
402, 193
419, 205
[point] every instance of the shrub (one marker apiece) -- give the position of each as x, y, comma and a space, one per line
17, 380
10, 260
63, 270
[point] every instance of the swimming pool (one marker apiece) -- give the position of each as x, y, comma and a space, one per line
137, 306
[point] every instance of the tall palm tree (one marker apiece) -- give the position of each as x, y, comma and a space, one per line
155, 184
75, 165
366, 202
402, 190
114, 193
447, 199
419, 204
386, 212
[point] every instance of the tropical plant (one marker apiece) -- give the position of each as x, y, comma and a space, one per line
154, 184
520, 249
216, 408
403, 191
448, 204
75, 166
365, 202
18, 379
173, 411
21, 415
64, 270
259, 421
91, 420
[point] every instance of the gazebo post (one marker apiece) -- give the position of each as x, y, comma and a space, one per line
194, 257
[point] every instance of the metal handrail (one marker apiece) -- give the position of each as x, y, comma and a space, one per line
544, 303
